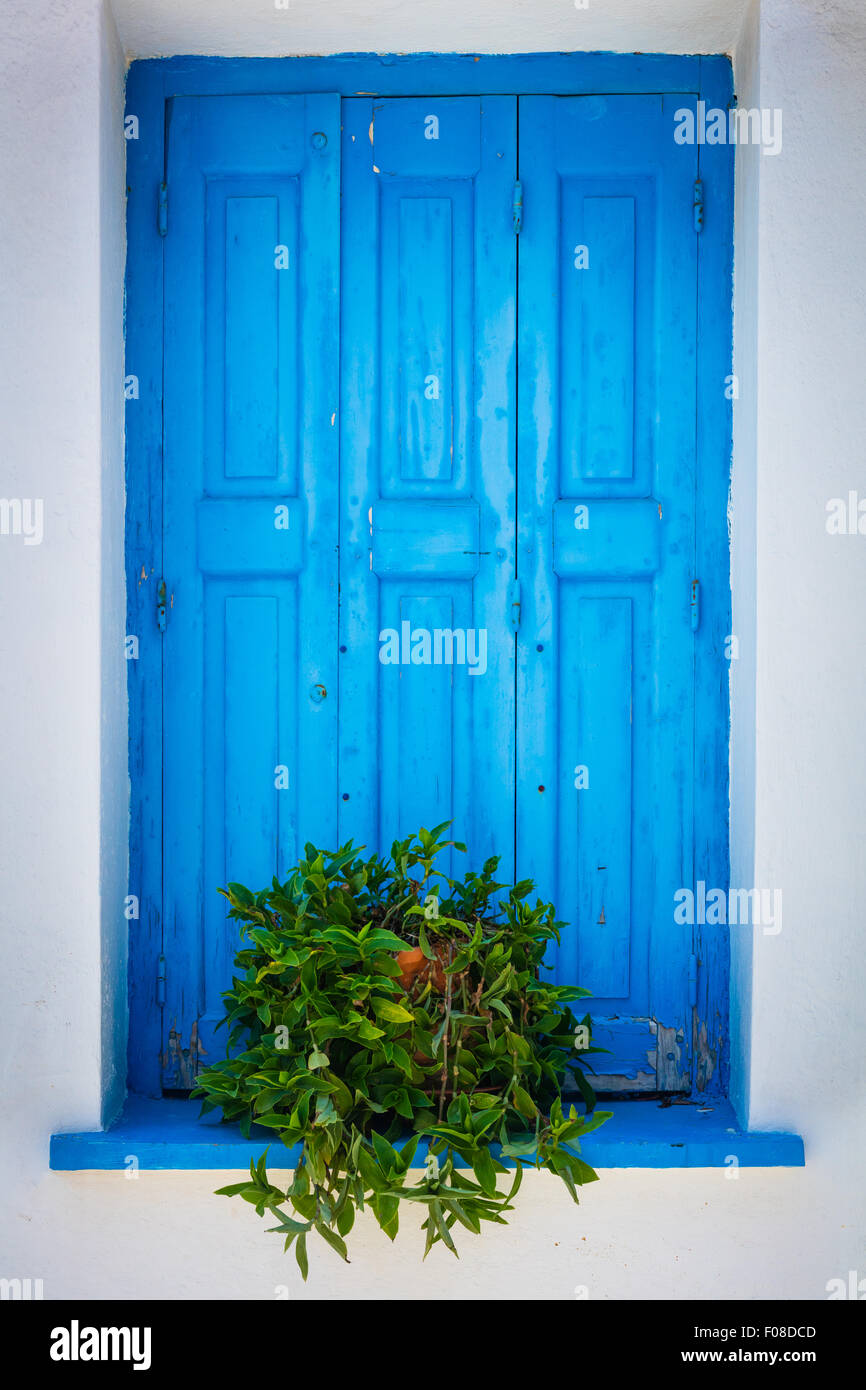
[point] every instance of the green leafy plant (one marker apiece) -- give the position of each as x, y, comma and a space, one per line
346, 1050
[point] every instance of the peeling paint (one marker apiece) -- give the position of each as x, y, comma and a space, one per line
705, 1056
183, 1061
667, 1057
616, 1082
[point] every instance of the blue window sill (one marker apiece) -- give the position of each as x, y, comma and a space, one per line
167, 1134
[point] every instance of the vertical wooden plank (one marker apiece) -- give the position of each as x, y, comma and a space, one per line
672, 658
186, 724
360, 617
539, 441
144, 293
491, 829
710, 1034
318, 387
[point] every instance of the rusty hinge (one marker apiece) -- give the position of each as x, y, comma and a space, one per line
696, 605
517, 207
160, 980
162, 210
698, 206
514, 604
161, 606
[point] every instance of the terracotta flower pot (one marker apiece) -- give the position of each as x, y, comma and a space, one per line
443, 958
413, 961
410, 963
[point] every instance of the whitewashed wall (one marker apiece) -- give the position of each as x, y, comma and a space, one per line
798, 784
63, 779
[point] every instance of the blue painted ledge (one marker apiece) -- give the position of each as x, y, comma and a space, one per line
168, 1134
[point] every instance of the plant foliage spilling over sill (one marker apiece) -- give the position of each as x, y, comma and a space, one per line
375, 996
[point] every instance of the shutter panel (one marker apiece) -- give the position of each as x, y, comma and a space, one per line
251, 387
606, 544
427, 464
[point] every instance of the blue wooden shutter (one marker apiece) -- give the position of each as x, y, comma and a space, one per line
427, 465
606, 543
250, 517
433, 521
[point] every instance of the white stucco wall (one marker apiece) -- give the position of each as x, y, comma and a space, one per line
798, 785
63, 780
272, 28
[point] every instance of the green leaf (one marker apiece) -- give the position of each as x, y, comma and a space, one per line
436, 1214
524, 1103
407, 1153
464, 1215
336, 1242
482, 1165
516, 1183
382, 940
317, 1059
239, 896
401, 1058
287, 1224
388, 1158
301, 1256
387, 1210
585, 1088
387, 1011
598, 1117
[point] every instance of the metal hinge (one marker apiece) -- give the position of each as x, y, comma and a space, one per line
514, 604
698, 206
696, 605
517, 206
161, 606
160, 980
693, 981
162, 210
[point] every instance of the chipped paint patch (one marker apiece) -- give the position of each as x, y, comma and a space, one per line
615, 1082
706, 1057
182, 1061
667, 1058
